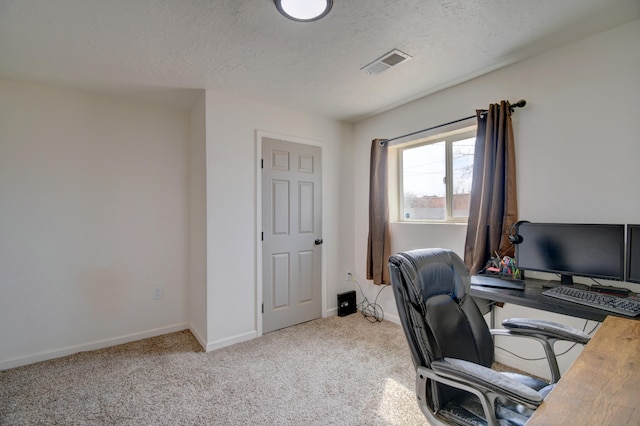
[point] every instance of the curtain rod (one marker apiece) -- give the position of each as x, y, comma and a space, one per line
521, 103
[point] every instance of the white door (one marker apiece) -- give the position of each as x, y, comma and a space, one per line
292, 234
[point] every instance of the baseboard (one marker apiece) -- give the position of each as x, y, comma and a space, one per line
198, 336
90, 346
228, 341
221, 343
392, 318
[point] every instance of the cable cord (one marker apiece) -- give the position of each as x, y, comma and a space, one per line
371, 311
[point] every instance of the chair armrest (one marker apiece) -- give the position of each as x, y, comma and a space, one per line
545, 332
546, 328
487, 379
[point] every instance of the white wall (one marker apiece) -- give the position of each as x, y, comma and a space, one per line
104, 199
197, 254
93, 217
576, 142
232, 165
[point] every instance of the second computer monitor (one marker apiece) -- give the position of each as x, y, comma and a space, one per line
569, 249
633, 254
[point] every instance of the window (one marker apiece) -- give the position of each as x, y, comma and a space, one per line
435, 177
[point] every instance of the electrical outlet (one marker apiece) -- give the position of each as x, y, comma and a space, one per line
348, 276
157, 293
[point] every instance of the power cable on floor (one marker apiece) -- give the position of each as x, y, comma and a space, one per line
371, 311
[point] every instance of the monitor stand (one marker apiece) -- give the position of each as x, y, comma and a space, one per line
566, 280
551, 284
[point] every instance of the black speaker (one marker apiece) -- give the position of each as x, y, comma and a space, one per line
347, 303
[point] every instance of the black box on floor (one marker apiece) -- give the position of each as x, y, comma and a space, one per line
347, 303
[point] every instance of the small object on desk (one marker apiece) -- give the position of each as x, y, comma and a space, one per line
620, 305
489, 281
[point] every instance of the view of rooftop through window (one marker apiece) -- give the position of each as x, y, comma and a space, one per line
424, 180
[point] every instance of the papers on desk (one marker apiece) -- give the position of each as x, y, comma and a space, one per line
489, 281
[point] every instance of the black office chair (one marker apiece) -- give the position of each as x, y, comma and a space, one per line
452, 346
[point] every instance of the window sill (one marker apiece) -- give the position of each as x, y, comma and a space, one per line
429, 222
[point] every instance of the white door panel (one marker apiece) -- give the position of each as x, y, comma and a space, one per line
291, 221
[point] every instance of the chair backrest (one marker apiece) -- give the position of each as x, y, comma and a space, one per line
439, 317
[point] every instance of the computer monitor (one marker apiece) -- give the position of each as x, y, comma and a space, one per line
633, 254
568, 249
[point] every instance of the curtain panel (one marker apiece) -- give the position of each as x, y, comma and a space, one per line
493, 203
379, 240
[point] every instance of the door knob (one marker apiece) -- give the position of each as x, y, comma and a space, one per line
318, 241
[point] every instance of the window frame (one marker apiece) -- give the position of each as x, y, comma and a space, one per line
448, 138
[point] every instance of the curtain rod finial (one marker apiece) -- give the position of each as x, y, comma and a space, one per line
520, 103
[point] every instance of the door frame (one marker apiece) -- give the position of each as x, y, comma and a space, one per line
258, 225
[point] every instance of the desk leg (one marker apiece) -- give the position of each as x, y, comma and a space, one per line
492, 316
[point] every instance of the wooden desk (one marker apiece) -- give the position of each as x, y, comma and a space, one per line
602, 387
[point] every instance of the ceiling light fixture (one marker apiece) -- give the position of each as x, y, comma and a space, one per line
304, 10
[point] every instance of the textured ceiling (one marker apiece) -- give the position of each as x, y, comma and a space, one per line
245, 48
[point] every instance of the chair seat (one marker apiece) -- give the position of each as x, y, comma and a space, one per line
532, 382
467, 410
542, 387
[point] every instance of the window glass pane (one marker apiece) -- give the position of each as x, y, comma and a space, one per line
423, 173
462, 156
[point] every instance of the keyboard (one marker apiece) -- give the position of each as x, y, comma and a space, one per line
619, 305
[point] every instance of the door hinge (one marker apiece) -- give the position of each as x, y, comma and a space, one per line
262, 236
262, 163
263, 308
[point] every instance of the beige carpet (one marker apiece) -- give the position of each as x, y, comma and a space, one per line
332, 371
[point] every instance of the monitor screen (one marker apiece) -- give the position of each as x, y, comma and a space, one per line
633, 253
567, 249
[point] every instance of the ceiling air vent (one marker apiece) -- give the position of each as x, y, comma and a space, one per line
385, 62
